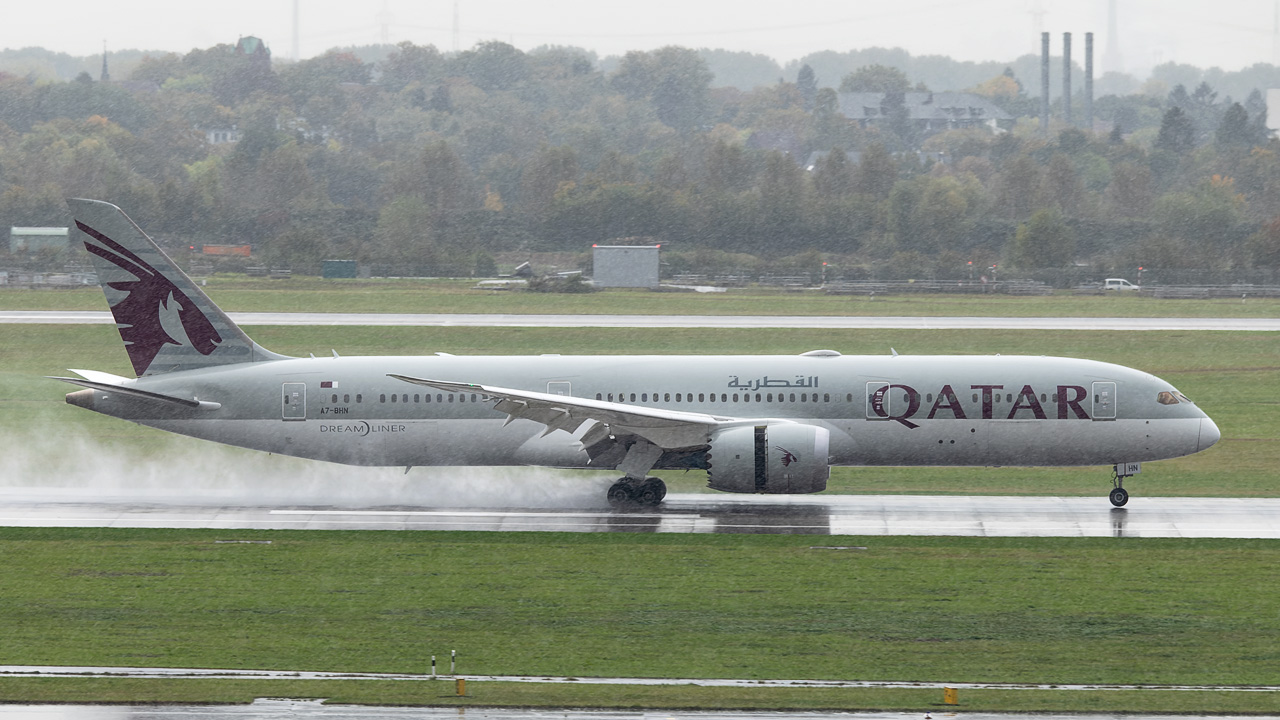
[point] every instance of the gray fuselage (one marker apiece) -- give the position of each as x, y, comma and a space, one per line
879, 410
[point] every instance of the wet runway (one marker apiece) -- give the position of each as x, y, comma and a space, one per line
880, 515
685, 321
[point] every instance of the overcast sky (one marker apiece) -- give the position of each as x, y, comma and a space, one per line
1230, 34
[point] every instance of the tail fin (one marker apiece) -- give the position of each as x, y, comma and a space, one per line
166, 321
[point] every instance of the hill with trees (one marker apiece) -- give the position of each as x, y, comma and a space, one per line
421, 162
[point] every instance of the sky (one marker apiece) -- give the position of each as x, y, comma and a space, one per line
1229, 34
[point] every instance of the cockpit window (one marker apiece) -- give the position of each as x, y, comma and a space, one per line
1182, 397
1167, 398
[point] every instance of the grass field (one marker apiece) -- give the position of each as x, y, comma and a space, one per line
939, 609
302, 294
927, 609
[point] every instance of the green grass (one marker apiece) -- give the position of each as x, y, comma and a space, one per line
755, 606
303, 294
1231, 374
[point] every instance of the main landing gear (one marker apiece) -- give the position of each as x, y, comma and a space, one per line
626, 491
1119, 496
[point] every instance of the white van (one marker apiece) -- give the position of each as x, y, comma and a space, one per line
1118, 284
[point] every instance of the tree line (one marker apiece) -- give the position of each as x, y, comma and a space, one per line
428, 162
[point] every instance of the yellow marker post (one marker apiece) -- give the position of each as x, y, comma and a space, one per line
949, 696
462, 686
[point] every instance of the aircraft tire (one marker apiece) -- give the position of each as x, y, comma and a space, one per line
621, 493
651, 491
1119, 496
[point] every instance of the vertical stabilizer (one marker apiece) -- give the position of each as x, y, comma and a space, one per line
167, 323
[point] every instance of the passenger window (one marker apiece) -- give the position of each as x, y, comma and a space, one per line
769, 397
359, 398
793, 397
678, 397
665, 398
382, 398
439, 397
335, 399
416, 398
848, 397
600, 398
427, 397
804, 397
975, 397
473, 397
346, 399
450, 397
633, 397
826, 397
700, 397
735, 397
644, 397
404, 397
1166, 398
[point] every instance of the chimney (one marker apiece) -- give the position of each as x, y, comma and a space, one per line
1088, 81
1044, 84
1066, 77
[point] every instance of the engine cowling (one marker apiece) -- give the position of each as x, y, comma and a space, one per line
781, 458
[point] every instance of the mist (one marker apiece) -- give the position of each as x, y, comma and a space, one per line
50, 466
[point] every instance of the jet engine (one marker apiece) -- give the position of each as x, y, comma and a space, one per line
776, 459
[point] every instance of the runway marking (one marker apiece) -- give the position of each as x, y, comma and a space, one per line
469, 513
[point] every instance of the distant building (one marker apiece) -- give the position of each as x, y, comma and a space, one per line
929, 112
35, 239
625, 266
222, 136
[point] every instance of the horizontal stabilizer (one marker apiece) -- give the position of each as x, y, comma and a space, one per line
140, 394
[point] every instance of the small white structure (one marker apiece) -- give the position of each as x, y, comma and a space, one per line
625, 266
33, 239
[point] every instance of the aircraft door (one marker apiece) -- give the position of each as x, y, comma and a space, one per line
878, 400
560, 388
1104, 401
294, 401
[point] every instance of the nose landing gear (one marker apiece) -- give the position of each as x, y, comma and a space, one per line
1119, 496
626, 492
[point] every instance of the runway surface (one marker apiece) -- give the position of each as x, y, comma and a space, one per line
841, 322
874, 515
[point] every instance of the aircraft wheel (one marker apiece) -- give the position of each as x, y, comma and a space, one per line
661, 487
621, 493
1119, 496
651, 492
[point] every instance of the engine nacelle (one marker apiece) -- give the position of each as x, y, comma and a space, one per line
776, 459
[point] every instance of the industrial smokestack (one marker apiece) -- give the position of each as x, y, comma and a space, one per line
1066, 77
1088, 81
1044, 84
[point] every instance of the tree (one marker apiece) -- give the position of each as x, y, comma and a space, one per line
676, 81
1044, 241
807, 83
877, 172
1177, 134
1263, 246
1234, 130
876, 78
833, 177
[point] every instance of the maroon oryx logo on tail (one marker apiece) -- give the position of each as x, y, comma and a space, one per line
787, 456
138, 313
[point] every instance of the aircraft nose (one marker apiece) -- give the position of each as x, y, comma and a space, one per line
1209, 434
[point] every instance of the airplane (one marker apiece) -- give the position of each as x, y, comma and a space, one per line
756, 424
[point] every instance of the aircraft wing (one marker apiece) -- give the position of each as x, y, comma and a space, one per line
668, 429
